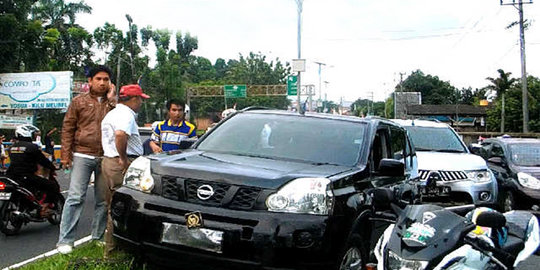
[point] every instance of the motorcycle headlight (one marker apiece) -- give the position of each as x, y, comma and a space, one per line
138, 175
479, 175
302, 195
528, 180
396, 262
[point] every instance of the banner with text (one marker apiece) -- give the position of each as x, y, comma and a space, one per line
35, 90
12, 121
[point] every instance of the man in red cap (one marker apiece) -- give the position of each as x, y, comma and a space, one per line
121, 144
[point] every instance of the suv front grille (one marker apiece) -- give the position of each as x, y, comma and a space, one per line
445, 175
225, 195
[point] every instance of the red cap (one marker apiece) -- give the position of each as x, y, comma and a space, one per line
132, 90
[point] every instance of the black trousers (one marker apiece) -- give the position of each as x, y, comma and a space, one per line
34, 182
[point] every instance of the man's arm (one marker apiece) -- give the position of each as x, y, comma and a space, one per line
69, 127
120, 140
155, 140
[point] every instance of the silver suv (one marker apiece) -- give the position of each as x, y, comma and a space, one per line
460, 177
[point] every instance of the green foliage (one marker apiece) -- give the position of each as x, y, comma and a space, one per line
433, 90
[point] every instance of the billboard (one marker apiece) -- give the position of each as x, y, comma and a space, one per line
12, 121
35, 90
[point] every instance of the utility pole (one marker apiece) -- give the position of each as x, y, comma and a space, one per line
299, 84
524, 91
401, 81
118, 76
320, 89
130, 20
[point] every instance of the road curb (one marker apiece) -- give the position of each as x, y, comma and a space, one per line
47, 254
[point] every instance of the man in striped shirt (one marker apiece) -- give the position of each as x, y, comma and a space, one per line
168, 134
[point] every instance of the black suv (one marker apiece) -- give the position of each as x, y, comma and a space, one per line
516, 165
267, 189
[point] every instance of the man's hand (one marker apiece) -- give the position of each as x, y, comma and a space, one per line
66, 164
124, 163
155, 147
112, 92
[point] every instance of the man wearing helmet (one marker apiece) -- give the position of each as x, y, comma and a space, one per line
25, 157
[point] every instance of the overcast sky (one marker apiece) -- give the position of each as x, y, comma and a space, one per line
364, 44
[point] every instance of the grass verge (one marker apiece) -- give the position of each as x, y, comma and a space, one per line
87, 256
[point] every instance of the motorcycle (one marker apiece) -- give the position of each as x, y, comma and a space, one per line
19, 205
433, 237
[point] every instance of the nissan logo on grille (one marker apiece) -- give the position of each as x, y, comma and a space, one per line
204, 192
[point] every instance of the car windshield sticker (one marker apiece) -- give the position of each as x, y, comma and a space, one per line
420, 233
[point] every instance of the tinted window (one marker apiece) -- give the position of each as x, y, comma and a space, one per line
288, 137
398, 143
435, 139
525, 154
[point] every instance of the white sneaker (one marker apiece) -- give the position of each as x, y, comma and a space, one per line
64, 249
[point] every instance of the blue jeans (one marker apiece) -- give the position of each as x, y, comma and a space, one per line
80, 177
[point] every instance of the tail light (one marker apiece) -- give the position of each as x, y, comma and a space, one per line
2, 185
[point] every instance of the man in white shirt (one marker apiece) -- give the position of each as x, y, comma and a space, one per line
121, 144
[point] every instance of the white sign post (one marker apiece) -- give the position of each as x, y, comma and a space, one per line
35, 90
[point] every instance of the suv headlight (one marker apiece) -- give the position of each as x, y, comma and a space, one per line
302, 195
396, 262
138, 175
479, 175
528, 180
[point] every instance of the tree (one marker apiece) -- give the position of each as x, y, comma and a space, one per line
433, 90
500, 85
53, 13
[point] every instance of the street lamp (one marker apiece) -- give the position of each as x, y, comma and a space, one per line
130, 21
299, 85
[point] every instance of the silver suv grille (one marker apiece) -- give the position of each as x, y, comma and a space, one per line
445, 175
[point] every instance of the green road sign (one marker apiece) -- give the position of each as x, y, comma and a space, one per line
292, 88
235, 91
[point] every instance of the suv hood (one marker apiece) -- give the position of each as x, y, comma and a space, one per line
449, 161
240, 170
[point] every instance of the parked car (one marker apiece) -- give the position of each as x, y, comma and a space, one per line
516, 165
461, 177
267, 189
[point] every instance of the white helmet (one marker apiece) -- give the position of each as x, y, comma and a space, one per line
227, 112
26, 131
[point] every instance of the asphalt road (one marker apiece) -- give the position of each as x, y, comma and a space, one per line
38, 238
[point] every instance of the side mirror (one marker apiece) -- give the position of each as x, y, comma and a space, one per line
491, 219
496, 160
474, 148
185, 144
391, 167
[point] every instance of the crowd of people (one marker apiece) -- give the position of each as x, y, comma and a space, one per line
99, 137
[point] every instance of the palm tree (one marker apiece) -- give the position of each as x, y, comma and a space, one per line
53, 13
500, 85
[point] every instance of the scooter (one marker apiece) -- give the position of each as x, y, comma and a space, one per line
19, 206
433, 237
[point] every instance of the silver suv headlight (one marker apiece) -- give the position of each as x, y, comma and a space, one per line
302, 195
528, 180
138, 175
479, 175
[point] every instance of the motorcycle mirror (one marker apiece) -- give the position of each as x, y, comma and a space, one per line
382, 197
491, 219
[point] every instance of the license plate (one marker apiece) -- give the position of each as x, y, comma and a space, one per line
4, 196
435, 191
201, 238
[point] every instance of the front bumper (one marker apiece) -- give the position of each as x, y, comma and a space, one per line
251, 239
469, 192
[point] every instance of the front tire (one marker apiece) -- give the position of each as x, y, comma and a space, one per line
9, 223
56, 217
354, 255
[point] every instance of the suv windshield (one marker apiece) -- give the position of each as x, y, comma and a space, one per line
435, 139
288, 137
525, 154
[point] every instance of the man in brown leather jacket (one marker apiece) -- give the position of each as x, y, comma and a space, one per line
82, 153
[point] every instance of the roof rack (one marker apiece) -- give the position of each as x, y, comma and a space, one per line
251, 108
